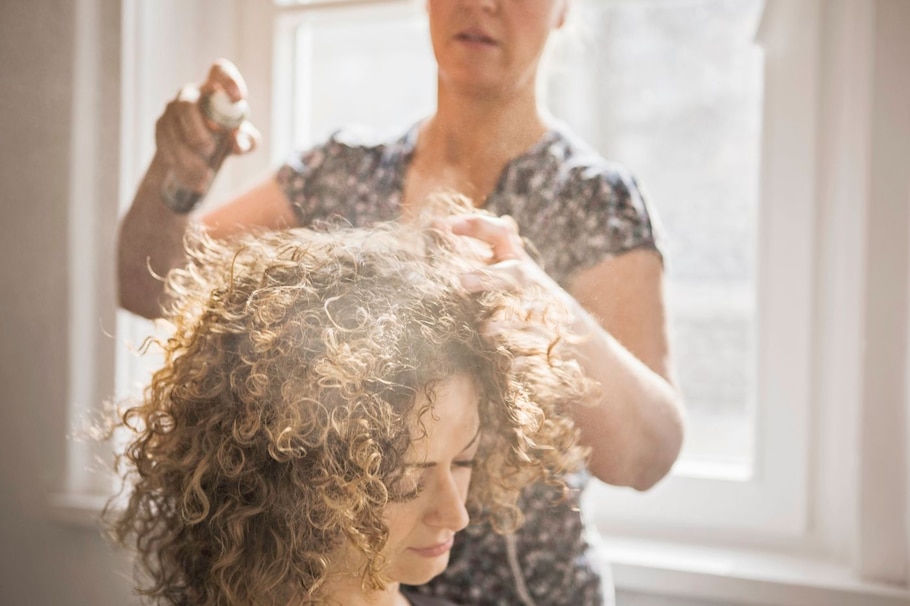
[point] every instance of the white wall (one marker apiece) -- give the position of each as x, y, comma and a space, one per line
42, 562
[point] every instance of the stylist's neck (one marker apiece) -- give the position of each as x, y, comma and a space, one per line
467, 122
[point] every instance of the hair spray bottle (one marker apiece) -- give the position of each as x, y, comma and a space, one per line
222, 116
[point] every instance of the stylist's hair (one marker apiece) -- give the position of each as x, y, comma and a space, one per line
275, 430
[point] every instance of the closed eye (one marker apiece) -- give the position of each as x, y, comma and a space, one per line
409, 495
409, 486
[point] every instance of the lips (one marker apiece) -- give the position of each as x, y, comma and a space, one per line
433, 551
475, 35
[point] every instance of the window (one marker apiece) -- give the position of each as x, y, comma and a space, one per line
697, 124
379, 53
673, 91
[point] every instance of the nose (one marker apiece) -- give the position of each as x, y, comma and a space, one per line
448, 509
489, 5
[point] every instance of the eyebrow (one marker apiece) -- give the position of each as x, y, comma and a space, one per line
429, 464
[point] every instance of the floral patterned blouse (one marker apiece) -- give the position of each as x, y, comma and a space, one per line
576, 209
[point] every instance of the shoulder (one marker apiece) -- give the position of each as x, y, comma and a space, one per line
355, 174
585, 175
316, 180
562, 171
575, 206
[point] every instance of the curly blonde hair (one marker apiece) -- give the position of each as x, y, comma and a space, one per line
276, 428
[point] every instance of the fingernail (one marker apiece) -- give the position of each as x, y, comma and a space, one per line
458, 224
471, 282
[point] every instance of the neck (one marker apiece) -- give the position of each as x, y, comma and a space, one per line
467, 143
348, 592
490, 126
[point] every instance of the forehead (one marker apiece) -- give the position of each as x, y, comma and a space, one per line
451, 422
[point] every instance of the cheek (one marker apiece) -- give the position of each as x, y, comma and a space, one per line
399, 518
436, 14
463, 481
543, 16
532, 32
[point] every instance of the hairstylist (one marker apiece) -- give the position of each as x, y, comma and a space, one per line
490, 140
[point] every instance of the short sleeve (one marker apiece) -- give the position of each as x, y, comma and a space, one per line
574, 217
613, 215
299, 171
348, 177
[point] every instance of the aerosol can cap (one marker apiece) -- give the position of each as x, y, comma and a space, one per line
224, 111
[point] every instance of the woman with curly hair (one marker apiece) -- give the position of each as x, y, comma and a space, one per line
333, 407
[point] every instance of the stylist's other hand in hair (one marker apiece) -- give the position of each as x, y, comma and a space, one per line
508, 264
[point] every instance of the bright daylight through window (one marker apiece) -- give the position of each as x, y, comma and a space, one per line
674, 92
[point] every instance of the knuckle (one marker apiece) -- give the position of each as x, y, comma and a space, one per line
159, 126
189, 94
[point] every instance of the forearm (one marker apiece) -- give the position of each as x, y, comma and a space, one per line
150, 244
635, 428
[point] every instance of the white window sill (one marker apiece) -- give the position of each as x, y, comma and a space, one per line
741, 576
669, 569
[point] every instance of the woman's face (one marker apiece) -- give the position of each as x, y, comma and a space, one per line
491, 45
423, 525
